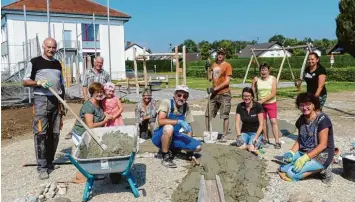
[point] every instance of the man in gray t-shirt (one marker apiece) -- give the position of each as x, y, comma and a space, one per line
43, 72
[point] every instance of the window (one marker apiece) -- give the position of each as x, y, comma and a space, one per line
88, 32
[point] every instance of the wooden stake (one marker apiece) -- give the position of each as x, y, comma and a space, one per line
177, 66
184, 63
135, 70
145, 70
246, 73
282, 64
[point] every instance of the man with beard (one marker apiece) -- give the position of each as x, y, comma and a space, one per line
174, 114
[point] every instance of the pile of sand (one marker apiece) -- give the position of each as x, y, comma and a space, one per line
118, 144
242, 174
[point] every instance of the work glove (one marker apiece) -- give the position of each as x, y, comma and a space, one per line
210, 91
44, 83
300, 163
185, 125
288, 156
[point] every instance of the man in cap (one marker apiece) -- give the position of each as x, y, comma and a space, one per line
220, 95
173, 115
43, 72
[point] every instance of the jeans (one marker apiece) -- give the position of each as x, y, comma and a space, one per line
309, 166
248, 138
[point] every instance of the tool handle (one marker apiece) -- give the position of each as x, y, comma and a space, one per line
93, 135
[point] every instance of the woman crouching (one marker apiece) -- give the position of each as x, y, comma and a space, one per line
313, 151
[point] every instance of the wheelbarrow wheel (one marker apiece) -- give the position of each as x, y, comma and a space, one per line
115, 178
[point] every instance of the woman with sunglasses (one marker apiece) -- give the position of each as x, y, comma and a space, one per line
146, 113
250, 113
93, 115
313, 151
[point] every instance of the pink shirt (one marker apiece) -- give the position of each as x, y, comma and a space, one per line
111, 107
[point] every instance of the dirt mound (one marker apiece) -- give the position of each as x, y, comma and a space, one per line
242, 174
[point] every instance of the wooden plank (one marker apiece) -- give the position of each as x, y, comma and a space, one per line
212, 191
220, 189
202, 191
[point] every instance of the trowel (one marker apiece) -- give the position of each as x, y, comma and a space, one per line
92, 134
209, 136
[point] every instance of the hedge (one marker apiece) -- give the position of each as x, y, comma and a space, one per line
295, 61
333, 74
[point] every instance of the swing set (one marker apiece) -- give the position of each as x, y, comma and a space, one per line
254, 59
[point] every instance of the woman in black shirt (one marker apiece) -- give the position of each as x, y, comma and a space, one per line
251, 114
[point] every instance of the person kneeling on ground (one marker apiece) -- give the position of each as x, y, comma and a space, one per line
251, 114
313, 151
146, 113
93, 115
174, 114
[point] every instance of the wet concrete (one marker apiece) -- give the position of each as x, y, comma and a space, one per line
242, 174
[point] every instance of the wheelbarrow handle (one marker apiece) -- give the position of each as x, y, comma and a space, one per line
93, 135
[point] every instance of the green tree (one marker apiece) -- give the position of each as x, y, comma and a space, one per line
191, 46
149, 51
345, 22
278, 37
204, 48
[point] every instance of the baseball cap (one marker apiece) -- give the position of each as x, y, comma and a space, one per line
181, 88
221, 50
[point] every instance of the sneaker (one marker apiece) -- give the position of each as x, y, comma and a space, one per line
168, 162
327, 174
43, 174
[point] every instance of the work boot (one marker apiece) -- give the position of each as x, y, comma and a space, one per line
168, 161
43, 174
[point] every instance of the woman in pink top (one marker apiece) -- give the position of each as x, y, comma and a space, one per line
112, 105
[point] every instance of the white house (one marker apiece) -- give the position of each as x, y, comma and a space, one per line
246, 52
129, 51
71, 25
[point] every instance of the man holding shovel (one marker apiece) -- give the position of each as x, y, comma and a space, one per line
220, 94
173, 115
43, 72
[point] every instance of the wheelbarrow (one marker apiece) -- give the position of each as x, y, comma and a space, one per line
90, 167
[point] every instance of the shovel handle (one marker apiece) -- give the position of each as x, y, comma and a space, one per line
93, 135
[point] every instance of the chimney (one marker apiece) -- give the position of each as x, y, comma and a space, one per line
128, 43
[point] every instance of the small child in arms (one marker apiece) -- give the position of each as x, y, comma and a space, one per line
112, 105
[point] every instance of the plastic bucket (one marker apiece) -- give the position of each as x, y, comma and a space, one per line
349, 166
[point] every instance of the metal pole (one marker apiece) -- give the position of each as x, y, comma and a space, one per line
109, 37
48, 19
93, 19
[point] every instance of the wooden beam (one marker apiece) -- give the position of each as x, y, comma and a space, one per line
289, 64
177, 66
286, 48
246, 73
145, 70
158, 54
282, 64
135, 70
256, 58
184, 64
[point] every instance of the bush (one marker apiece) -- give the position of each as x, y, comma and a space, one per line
333, 74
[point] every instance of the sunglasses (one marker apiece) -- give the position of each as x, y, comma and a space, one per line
181, 95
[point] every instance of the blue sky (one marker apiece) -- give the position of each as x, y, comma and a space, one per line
156, 23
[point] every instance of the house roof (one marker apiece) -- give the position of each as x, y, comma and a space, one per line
130, 46
193, 56
246, 52
336, 49
81, 7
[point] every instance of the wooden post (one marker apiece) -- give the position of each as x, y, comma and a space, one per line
299, 82
289, 64
184, 63
256, 59
135, 70
246, 73
282, 64
177, 66
145, 70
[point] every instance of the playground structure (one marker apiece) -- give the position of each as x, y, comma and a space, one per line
178, 71
286, 57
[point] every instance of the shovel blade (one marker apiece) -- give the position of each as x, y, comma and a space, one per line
210, 137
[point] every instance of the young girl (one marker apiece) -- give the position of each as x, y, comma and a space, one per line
111, 105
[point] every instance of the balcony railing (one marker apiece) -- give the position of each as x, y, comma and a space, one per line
91, 44
4, 50
68, 44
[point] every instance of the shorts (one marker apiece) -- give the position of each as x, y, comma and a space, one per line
221, 102
270, 109
179, 141
76, 138
248, 138
322, 100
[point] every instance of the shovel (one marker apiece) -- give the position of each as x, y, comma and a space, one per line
93, 135
209, 136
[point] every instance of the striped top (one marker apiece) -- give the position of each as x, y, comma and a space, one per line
265, 88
